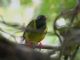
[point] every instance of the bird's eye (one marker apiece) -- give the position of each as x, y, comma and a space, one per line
39, 17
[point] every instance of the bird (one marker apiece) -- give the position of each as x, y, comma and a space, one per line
35, 31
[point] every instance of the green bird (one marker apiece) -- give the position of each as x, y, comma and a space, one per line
35, 31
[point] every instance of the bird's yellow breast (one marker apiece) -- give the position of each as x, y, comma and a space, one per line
35, 37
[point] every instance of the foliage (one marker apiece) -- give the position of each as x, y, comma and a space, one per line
25, 2
51, 8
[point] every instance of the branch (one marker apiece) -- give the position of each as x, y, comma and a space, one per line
13, 51
48, 47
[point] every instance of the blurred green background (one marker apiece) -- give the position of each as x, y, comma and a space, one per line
23, 11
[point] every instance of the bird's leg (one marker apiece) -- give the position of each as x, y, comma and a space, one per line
40, 45
29, 44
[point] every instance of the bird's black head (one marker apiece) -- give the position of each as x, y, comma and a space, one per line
41, 22
41, 17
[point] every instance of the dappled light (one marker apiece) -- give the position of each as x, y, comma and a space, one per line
47, 27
